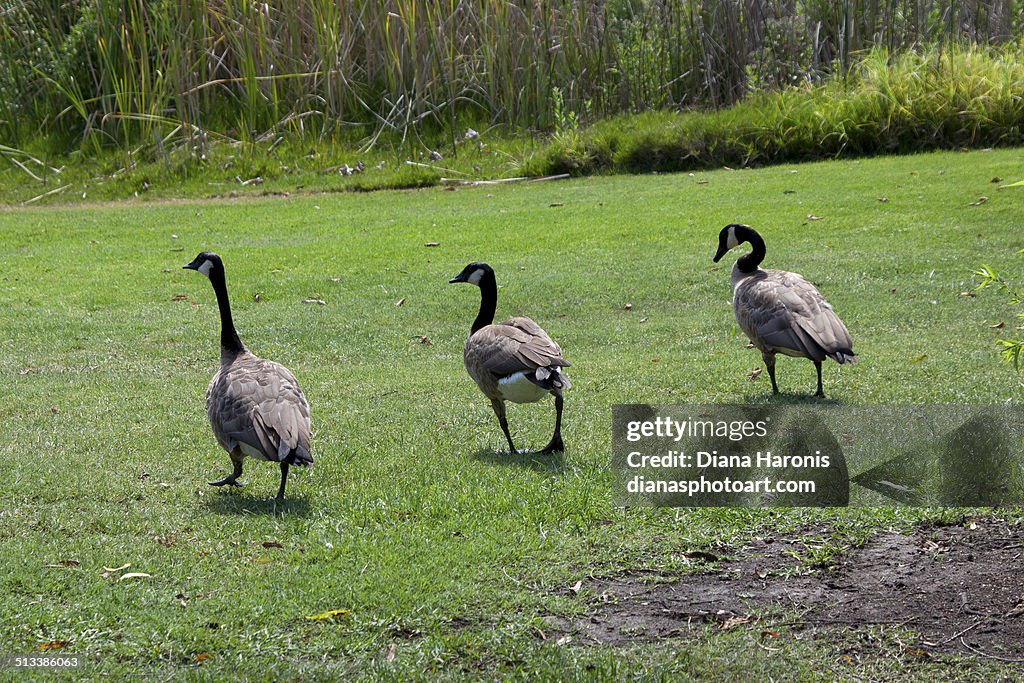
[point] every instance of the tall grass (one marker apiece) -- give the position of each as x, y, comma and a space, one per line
931, 99
131, 72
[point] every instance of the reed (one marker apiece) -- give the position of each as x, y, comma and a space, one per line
137, 74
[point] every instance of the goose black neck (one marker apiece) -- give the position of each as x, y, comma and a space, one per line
750, 262
488, 302
230, 344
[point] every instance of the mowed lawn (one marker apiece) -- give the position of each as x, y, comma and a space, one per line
441, 553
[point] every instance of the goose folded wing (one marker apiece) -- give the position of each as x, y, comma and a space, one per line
787, 312
266, 411
518, 345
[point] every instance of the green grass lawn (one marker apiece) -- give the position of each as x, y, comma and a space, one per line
444, 553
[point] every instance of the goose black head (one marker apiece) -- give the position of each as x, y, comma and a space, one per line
474, 274
731, 237
205, 263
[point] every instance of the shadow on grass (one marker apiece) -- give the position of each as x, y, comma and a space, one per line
790, 398
553, 463
233, 502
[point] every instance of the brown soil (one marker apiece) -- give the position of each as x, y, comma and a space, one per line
958, 588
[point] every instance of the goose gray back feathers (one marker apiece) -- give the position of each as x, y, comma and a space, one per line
782, 312
256, 407
517, 345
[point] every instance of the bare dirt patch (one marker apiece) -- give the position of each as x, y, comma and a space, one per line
959, 588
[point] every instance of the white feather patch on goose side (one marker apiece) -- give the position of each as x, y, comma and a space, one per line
518, 389
251, 451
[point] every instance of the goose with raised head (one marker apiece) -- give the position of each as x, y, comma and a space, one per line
255, 406
781, 312
514, 360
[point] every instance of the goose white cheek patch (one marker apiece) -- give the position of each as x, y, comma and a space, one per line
731, 241
475, 278
206, 268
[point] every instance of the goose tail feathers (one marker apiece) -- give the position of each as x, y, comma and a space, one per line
550, 378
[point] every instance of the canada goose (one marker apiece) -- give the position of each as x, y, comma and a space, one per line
512, 361
255, 406
781, 312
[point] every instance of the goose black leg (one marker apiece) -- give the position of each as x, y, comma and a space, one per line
231, 479
820, 392
284, 478
499, 410
556, 445
769, 362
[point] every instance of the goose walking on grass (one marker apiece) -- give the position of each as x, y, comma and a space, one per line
255, 406
512, 361
781, 312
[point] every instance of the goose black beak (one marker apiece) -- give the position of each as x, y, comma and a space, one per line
722, 249
461, 277
192, 266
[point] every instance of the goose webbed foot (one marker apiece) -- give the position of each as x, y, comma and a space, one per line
229, 480
556, 445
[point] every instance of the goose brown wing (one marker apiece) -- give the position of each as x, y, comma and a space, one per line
258, 404
787, 312
516, 345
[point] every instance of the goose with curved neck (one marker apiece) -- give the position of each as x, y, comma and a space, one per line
780, 311
514, 360
254, 405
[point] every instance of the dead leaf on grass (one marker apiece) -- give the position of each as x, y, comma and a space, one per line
398, 304
733, 622
318, 302
203, 656
272, 544
424, 339
53, 645
330, 615
431, 244
981, 200
754, 374
66, 563
390, 656
133, 575
812, 217
575, 588
998, 326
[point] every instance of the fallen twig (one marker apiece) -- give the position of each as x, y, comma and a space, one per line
961, 633
500, 181
47, 194
24, 168
985, 654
